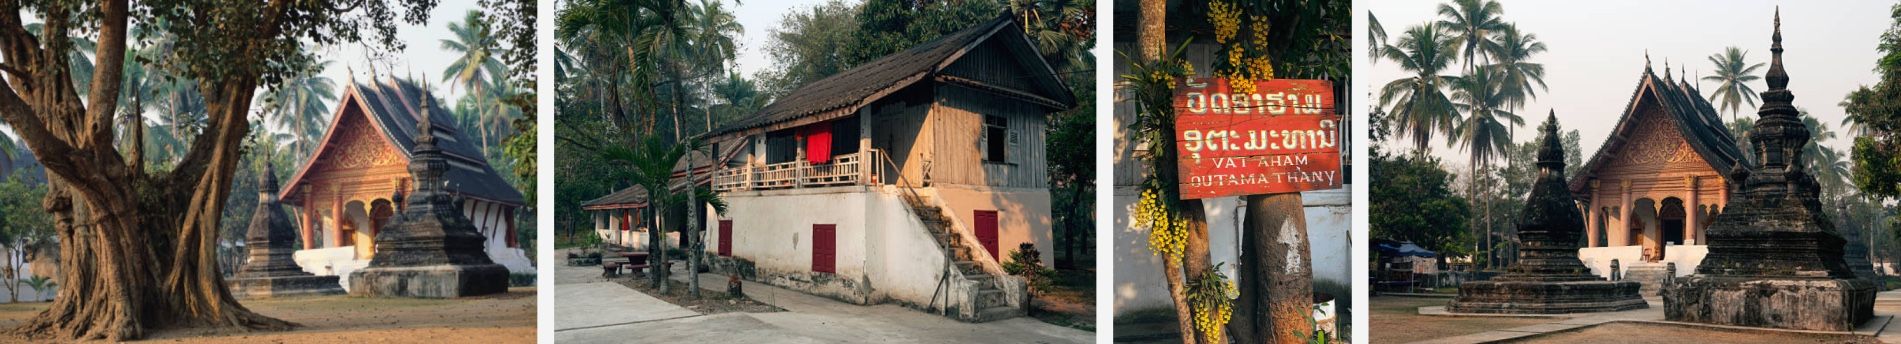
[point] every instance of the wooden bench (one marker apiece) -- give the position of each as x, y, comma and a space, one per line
638, 267
610, 268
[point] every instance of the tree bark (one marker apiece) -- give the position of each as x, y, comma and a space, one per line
1276, 274
692, 231
138, 251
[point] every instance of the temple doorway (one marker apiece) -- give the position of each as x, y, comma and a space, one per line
1644, 229
1671, 217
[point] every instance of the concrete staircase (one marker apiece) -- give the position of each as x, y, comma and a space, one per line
991, 301
1649, 275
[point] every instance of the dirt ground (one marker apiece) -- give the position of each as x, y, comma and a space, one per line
1071, 301
1397, 320
710, 302
503, 318
1636, 333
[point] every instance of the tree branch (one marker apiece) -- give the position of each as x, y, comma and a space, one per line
103, 102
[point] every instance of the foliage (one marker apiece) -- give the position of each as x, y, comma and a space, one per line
1029, 265
40, 284
1418, 105
1876, 111
1212, 295
811, 45
1413, 202
1733, 75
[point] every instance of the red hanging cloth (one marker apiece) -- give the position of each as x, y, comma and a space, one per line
818, 142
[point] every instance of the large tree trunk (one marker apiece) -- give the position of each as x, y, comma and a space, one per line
1276, 275
694, 250
138, 251
1151, 39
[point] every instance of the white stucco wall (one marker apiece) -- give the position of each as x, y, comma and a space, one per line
1023, 216
1599, 259
883, 249
1139, 283
341, 261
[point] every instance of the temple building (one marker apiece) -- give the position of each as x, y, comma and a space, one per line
908, 179
346, 191
1652, 188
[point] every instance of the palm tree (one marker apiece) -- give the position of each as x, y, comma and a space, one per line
300, 104
1740, 128
655, 41
1419, 103
78, 56
1733, 75
1378, 34
1472, 24
477, 68
40, 285
1521, 79
713, 30
1485, 133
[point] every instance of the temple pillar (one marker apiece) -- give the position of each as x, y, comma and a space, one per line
1690, 225
336, 220
1621, 236
1591, 218
310, 220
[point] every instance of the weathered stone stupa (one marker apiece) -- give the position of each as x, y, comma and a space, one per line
429, 249
1774, 260
268, 269
1548, 278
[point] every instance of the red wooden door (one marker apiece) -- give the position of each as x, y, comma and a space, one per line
824, 247
986, 223
726, 238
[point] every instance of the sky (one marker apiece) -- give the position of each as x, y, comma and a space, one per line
1596, 53
759, 18
422, 55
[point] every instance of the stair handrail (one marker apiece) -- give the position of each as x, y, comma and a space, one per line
912, 202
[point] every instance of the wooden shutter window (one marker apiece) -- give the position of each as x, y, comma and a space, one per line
824, 248
726, 238
986, 226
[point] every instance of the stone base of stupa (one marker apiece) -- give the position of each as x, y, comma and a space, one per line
282, 286
1546, 297
1822, 304
430, 281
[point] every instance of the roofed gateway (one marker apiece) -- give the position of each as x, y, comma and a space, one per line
346, 191
1651, 189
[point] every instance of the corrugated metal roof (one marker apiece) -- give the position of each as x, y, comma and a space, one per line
861, 85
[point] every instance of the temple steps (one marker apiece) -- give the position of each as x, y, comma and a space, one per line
1650, 276
991, 301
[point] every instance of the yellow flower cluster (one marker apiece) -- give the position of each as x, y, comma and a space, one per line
1245, 65
1226, 18
1168, 234
1212, 315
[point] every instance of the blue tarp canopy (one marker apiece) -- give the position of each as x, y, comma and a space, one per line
1389, 248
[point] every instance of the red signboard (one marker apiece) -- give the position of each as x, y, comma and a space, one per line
1283, 137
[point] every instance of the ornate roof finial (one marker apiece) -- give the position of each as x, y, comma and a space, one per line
1777, 77
1666, 68
1646, 61
1551, 152
267, 183
425, 130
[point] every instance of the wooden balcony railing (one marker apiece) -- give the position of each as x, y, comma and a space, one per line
846, 169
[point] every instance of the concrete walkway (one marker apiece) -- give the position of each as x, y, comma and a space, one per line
1653, 314
594, 312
